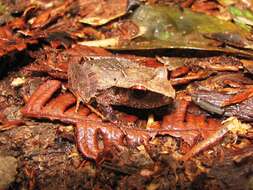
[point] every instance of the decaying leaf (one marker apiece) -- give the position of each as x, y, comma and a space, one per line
89, 134
230, 125
98, 12
227, 94
215, 63
50, 15
60, 108
55, 61
189, 127
10, 42
248, 64
120, 33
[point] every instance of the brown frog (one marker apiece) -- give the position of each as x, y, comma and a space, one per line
119, 81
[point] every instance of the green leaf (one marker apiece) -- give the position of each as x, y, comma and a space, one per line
243, 17
171, 27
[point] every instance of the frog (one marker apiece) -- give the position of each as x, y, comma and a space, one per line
117, 81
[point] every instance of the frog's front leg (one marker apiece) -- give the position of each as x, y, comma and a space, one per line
92, 109
78, 101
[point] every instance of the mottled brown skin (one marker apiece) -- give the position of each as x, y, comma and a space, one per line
118, 81
133, 98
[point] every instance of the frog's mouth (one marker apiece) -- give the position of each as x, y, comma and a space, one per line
145, 99
142, 103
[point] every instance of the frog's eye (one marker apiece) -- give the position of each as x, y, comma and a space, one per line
138, 94
138, 87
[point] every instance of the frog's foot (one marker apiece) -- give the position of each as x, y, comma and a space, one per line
109, 113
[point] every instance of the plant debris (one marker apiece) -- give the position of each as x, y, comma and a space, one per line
151, 94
